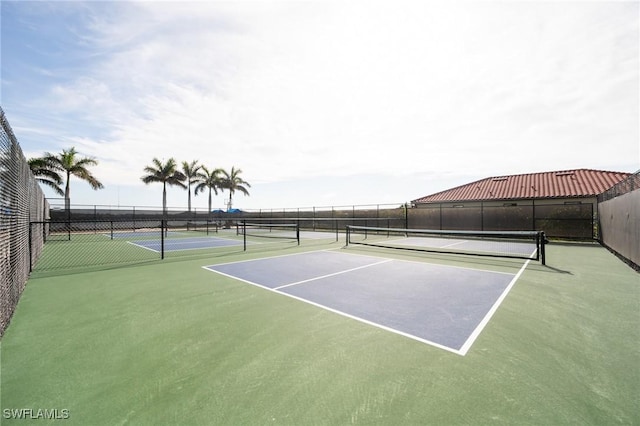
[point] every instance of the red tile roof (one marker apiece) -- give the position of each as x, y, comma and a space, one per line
559, 184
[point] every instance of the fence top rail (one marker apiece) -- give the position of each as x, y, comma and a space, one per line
59, 203
63, 221
239, 218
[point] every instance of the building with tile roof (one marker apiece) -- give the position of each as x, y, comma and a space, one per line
564, 184
562, 203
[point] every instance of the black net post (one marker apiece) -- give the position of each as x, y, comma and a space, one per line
163, 226
244, 235
347, 233
406, 215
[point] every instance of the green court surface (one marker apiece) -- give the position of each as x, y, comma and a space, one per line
169, 343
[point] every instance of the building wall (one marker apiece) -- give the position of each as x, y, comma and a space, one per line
620, 225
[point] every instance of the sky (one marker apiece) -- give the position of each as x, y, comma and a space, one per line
322, 102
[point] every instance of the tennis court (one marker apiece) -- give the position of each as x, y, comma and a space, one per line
320, 333
182, 241
185, 243
444, 306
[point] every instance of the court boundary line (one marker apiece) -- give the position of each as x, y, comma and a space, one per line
343, 250
166, 249
117, 234
146, 248
371, 323
336, 311
485, 321
269, 257
426, 261
334, 274
466, 346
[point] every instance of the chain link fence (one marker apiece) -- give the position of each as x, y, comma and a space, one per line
21, 202
77, 245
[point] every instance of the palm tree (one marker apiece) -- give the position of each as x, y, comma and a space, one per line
208, 180
190, 171
233, 182
166, 173
45, 175
70, 164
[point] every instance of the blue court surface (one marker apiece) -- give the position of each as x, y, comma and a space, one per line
140, 234
443, 306
179, 244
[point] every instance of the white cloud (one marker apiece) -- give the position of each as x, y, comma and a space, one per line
287, 90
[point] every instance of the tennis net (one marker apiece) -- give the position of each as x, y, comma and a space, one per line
287, 231
508, 244
206, 226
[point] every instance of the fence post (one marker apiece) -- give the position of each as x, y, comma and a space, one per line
162, 229
406, 215
30, 249
244, 235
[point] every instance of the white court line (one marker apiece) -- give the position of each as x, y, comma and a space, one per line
333, 274
474, 335
362, 320
184, 241
427, 262
146, 248
401, 240
454, 244
172, 247
335, 311
463, 349
270, 257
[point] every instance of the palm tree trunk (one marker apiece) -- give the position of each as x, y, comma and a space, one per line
67, 192
189, 196
164, 210
164, 200
67, 202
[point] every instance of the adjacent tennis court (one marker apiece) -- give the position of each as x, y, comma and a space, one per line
182, 241
444, 306
187, 243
